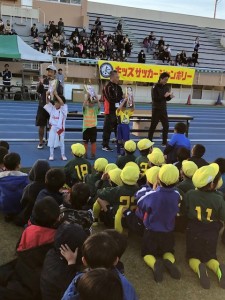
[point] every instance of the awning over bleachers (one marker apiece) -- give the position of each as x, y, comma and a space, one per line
13, 47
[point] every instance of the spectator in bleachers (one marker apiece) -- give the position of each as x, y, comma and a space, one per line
152, 39
195, 58
167, 53
48, 50
34, 31
141, 57
56, 41
119, 26
2, 27
8, 27
61, 26
62, 59
183, 57
98, 24
36, 43
196, 44
178, 59
161, 42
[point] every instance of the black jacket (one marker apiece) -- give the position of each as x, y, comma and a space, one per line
57, 274
159, 101
112, 94
31, 191
20, 278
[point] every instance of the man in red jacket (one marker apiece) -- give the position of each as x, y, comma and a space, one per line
112, 94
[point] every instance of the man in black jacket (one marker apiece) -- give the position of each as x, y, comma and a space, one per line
112, 94
160, 95
6, 78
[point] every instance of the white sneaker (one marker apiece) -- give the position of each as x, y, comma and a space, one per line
40, 146
51, 158
64, 157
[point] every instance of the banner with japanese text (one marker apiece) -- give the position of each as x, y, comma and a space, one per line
146, 73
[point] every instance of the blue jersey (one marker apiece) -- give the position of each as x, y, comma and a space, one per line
160, 208
180, 140
139, 196
128, 290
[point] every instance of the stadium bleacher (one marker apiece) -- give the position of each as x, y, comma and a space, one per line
179, 37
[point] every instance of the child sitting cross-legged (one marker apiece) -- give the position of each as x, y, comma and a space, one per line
129, 148
91, 179
54, 181
75, 209
12, 183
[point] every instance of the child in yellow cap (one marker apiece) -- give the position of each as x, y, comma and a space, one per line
91, 179
120, 197
129, 148
156, 158
123, 114
205, 209
134, 219
103, 182
188, 170
107, 193
145, 147
78, 167
91, 109
160, 208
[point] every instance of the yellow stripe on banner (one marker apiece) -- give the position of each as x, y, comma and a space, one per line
146, 73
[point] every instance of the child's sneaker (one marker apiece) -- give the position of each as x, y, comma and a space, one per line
203, 277
51, 157
158, 271
172, 269
40, 146
64, 157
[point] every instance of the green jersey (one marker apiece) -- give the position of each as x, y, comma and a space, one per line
76, 169
205, 206
120, 195
186, 185
143, 164
123, 160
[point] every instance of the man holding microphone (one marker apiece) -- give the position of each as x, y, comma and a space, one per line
160, 95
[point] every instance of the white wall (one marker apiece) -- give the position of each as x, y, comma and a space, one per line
145, 14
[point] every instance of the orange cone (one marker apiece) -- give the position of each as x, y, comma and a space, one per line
189, 100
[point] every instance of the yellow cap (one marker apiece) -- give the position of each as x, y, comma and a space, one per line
100, 164
130, 146
78, 149
189, 168
169, 174
114, 176
110, 167
144, 144
156, 157
132, 164
130, 175
157, 150
152, 174
205, 175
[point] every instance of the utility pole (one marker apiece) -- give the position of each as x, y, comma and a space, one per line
216, 3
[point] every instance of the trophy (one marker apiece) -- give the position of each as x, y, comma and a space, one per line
90, 90
130, 96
